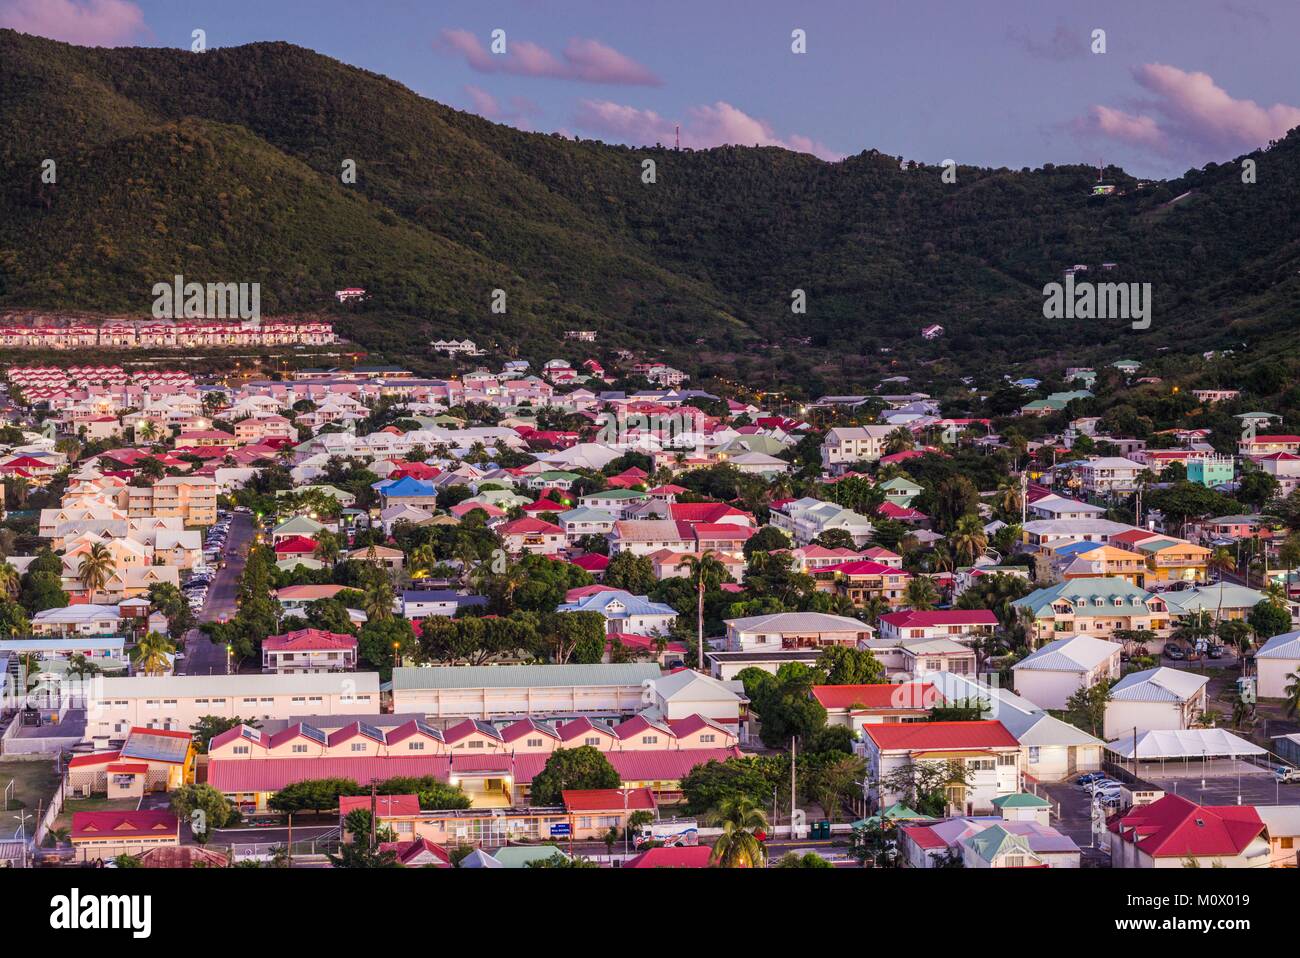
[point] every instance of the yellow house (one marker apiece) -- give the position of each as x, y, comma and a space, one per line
151, 760
1172, 560
1110, 562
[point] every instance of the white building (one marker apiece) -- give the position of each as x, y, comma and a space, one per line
1159, 699
1051, 674
1276, 660
845, 445
116, 705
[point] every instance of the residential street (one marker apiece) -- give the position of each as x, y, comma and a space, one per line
203, 657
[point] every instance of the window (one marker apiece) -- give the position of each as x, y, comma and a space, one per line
415, 746
1013, 861
649, 739
1008, 758
707, 738
241, 749
358, 746
1033, 754
476, 743
593, 741
534, 743
300, 749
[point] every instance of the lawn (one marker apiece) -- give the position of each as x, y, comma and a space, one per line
96, 803
35, 782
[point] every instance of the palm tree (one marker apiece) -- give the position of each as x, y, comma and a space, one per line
148, 430
1219, 562
941, 559
968, 538
423, 559
1291, 701
738, 845
96, 568
21, 486
874, 608
900, 440
921, 594
80, 666
377, 599
1008, 498
10, 580
327, 547
151, 654
706, 571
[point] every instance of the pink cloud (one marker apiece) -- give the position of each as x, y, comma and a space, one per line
519, 114
582, 59
1190, 112
709, 125
90, 23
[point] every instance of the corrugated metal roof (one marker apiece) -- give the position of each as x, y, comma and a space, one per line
521, 676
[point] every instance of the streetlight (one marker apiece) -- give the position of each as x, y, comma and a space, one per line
228, 653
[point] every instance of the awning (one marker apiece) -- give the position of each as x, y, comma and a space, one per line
1184, 743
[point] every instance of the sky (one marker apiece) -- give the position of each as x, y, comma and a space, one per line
1011, 83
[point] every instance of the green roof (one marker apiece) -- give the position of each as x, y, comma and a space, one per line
1020, 800
518, 856
617, 494
521, 676
995, 839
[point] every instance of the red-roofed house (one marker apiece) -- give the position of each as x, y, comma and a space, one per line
936, 624
106, 835
295, 546
856, 705
309, 650
532, 535
418, 853
594, 563
1169, 832
989, 753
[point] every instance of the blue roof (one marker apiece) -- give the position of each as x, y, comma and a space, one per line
634, 604
407, 486
1077, 548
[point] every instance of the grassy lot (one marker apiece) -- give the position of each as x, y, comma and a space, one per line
34, 782
96, 803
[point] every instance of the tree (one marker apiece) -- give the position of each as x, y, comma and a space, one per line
1291, 697
806, 860
923, 786
834, 781
10, 581
921, 594
13, 620
96, 568
358, 855
572, 768
152, 654
313, 795
209, 727
953, 498
630, 572
766, 539
378, 597
1268, 619
968, 538
738, 846
327, 547
1086, 708
835, 539
560, 860
168, 599
849, 666
899, 440
705, 572
214, 809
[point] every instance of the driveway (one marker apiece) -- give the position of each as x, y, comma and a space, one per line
202, 656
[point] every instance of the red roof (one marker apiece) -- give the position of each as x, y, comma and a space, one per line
413, 850
96, 758
273, 774
692, 856
592, 562
924, 836
128, 768
608, 799
386, 806
708, 512
890, 510
124, 824
925, 736
908, 695
529, 525
914, 620
863, 567
295, 545
1176, 827
303, 640
1264, 439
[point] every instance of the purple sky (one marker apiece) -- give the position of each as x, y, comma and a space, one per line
1000, 83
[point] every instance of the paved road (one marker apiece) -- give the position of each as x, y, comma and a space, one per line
202, 656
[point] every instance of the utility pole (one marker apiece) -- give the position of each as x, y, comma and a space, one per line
1024, 498
374, 810
289, 845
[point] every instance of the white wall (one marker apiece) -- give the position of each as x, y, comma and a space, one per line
1046, 689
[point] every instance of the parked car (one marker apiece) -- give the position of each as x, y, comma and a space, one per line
1214, 650
1173, 651
1286, 774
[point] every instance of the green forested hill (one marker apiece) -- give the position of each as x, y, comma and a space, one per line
225, 166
